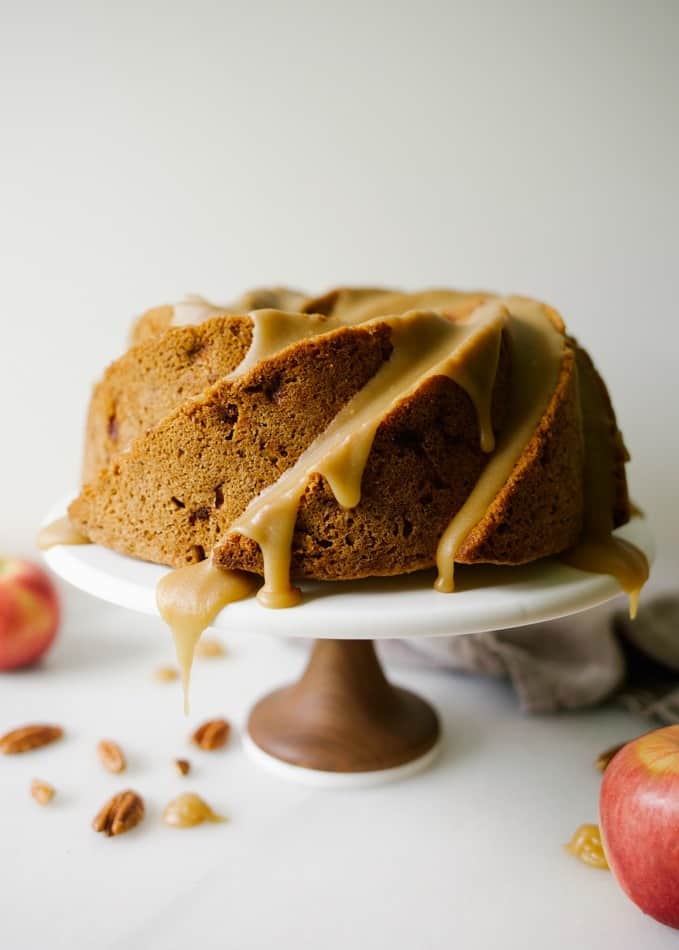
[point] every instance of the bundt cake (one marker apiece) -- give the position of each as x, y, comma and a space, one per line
362, 432
359, 433
194, 422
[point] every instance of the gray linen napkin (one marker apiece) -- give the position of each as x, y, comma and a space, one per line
573, 662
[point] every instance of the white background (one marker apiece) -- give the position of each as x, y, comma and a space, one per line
150, 149
153, 149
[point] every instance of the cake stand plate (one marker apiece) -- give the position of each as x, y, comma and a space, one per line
343, 723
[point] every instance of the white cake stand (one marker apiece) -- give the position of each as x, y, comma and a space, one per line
343, 723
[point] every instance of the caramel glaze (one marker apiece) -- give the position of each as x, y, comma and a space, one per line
537, 348
273, 330
190, 598
195, 309
359, 305
60, 531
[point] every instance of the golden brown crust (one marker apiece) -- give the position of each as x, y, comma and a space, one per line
145, 384
616, 448
151, 324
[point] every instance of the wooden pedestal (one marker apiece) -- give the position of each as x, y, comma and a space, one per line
343, 715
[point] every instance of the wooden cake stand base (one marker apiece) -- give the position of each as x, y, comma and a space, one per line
344, 716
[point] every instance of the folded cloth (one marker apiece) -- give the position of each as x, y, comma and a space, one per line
573, 662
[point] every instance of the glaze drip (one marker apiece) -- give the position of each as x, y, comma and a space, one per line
60, 531
190, 598
537, 348
356, 305
610, 555
195, 309
274, 330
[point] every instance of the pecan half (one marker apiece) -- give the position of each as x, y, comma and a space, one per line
212, 734
29, 737
120, 813
41, 791
111, 756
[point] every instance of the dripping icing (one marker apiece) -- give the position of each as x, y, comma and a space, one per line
60, 531
537, 349
195, 309
190, 598
274, 330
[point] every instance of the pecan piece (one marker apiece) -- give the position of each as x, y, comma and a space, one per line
29, 737
212, 734
111, 756
41, 791
120, 813
182, 766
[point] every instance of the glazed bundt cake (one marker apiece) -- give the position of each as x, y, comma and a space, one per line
362, 432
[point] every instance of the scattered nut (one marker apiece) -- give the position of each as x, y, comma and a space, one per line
182, 766
604, 759
587, 846
166, 674
209, 648
212, 735
111, 756
120, 814
30, 737
41, 791
188, 810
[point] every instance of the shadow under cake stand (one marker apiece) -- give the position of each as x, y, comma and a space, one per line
343, 723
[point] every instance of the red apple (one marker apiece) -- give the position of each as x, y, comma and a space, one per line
29, 612
639, 817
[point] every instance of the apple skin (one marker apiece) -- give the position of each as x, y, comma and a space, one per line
29, 613
639, 820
